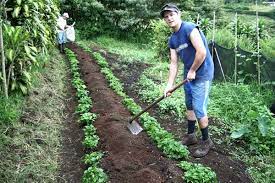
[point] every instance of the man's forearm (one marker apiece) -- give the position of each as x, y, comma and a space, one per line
199, 59
173, 70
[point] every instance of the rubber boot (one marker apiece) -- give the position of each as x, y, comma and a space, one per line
204, 148
60, 47
189, 139
63, 48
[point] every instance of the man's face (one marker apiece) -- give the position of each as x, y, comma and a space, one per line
171, 18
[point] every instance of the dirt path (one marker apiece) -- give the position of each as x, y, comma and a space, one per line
72, 150
227, 169
129, 158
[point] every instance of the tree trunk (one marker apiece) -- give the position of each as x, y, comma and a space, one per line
3, 60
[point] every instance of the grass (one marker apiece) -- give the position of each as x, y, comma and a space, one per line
224, 105
132, 52
30, 140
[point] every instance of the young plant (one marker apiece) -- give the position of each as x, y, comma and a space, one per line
93, 159
197, 173
94, 175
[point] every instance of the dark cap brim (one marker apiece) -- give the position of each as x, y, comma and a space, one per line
168, 9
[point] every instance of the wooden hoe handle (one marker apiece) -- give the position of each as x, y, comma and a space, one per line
157, 101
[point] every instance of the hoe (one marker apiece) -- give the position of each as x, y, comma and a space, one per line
133, 126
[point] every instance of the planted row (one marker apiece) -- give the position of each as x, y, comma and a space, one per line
94, 174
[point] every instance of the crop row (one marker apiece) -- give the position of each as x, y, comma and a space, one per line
94, 174
165, 141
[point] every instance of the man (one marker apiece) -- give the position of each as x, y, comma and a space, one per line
190, 44
61, 27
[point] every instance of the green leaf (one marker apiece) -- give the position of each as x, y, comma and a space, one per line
23, 88
27, 75
19, 2
252, 115
26, 9
263, 125
10, 54
16, 11
239, 132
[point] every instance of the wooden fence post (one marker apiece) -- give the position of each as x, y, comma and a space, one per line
236, 49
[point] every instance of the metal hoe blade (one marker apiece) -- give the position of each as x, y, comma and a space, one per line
134, 127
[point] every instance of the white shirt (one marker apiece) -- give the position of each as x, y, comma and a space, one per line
61, 23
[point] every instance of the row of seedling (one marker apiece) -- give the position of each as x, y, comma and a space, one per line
165, 141
93, 174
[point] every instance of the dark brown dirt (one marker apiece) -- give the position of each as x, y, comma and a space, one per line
129, 158
227, 169
72, 150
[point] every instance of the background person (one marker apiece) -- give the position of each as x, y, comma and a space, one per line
61, 27
189, 43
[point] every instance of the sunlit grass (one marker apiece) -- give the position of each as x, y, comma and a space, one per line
130, 52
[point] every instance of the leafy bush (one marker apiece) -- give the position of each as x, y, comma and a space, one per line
235, 7
223, 37
244, 113
268, 48
21, 58
159, 39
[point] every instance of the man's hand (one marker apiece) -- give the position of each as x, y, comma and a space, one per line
167, 90
191, 75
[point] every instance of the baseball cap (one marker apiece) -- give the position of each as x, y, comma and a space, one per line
169, 7
65, 15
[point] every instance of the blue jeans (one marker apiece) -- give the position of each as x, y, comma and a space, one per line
196, 97
61, 37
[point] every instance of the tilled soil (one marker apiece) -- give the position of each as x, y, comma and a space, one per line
227, 169
72, 150
129, 158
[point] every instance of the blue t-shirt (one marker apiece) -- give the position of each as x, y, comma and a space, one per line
180, 41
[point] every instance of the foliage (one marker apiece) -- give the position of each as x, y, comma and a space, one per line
224, 37
205, 25
206, 7
94, 175
244, 113
235, 6
148, 91
37, 17
197, 173
21, 58
29, 30
159, 39
93, 158
111, 17
247, 33
268, 48
87, 118
258, 130
91, 140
